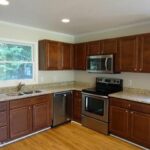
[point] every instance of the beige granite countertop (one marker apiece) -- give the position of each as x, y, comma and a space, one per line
45, 90
142, 96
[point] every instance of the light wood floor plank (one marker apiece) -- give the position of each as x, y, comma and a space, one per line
70, 137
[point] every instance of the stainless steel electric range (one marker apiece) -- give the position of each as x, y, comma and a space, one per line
95, 103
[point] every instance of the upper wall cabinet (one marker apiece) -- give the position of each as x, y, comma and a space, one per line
109, 46
67, 56
128, 50
80, 56
55, 55
134, 53
93, 48
144, 53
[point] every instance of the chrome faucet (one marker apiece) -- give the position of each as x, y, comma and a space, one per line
19, 86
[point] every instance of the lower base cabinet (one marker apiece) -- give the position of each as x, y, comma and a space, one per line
20, 121
130, 120
77, 106
29, 115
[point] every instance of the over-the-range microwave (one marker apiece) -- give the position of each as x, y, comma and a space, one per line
100, 64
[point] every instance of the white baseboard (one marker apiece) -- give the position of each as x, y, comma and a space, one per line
21, 138
129, 142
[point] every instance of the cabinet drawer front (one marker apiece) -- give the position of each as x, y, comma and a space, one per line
3, 133
119, 103
145, 108
4, 106
41, 99
20, 103
3, 118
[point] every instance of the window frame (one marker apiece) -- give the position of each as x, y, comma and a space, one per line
34, 45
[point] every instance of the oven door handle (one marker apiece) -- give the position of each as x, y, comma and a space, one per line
106, 61
86, 103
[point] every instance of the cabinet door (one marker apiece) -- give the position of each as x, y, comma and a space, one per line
54, 55
128, 49
119, 121
144, 56
140, 128
20, 121
3, 133
77, 106
93, 48
41, 116
67, 58
80, 56
109, 46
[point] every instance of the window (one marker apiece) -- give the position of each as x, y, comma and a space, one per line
16, 61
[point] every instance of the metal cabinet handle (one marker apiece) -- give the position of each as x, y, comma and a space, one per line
135, 69
126, 111
129, 105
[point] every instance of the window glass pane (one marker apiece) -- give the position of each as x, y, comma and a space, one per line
15, 52
14, 71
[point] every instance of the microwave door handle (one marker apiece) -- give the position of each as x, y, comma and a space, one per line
106, 61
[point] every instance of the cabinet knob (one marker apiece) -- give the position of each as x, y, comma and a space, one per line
140, 69
132, 112
126, 111
129, 105
135, 69
29, 107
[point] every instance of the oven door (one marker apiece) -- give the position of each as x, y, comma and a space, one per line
95, 106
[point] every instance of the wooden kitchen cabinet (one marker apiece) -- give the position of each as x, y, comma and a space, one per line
130, 120
41, 115
20, 121
50, 57
67, 56
80, 56
77, 106
128, 50
144, 53
30, 114
4, 121
119, 121
93, 48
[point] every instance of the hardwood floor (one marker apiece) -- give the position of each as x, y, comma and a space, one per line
70, 137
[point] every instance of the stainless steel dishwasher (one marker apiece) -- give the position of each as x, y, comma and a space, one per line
62, 107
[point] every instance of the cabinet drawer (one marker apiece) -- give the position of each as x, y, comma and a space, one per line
3, 118
140, 107
20, 103
40, 99
119, 102
3, 133
4, 106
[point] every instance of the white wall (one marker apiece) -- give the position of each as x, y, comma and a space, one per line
27, 34
133, 80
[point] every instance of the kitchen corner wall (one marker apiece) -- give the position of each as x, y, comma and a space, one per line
9, 31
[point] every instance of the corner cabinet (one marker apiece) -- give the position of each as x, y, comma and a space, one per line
54, 55
130, 120
29, 114
77, 106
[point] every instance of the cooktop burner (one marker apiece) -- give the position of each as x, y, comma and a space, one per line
105, 86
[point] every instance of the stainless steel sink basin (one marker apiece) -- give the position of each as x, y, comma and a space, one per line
31, 92
24, 93
15, 94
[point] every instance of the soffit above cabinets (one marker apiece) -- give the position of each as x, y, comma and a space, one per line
85, 15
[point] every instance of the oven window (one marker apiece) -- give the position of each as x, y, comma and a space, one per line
95, 106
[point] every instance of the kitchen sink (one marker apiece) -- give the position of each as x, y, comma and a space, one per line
24, 93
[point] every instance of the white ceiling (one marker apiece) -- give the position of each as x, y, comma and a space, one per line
86, 15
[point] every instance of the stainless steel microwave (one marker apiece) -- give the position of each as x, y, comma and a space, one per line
100, 64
